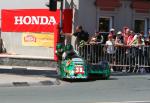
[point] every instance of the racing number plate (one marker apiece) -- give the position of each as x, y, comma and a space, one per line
79, 70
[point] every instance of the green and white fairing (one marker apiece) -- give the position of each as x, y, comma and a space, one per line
102, 69
75, 68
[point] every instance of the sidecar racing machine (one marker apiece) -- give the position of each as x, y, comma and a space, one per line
73, 66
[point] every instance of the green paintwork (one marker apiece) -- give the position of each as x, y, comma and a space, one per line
78, 68
104, 71
69, 70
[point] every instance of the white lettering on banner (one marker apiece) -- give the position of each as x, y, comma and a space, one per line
35, 20
44, 20
27, 20
52, 20
18, 20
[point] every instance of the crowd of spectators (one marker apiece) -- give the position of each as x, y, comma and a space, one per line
126, 37
125, 43
130, 47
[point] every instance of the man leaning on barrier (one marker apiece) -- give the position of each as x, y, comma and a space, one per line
119, 43
137, 52
80, 35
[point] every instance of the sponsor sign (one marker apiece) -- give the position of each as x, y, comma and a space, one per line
38, 39
34, 20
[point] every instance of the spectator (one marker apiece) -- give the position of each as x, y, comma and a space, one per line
138, 49
147, 40
94, 51
142, 34
92, 40
110, 48
141, 49
130, 38
80, 35
112, 32
97, 38
126, 32
141, 41
119, 50
137, 40
119, 39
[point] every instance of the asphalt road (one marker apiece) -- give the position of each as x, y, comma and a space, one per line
117, 89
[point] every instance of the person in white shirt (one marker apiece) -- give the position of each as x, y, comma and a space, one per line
110, 45
110, 50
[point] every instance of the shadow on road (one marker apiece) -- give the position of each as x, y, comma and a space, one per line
77, 80
86, 80
46, 73
113, 78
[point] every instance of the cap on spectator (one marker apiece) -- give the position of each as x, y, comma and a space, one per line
112, 29
131, 32
119, 33
135, 37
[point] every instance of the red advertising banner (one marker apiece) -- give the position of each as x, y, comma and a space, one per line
34, 20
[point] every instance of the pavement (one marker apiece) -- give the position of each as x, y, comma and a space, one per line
27, 76
23, 70
6, 67
11, 80
11, 55
26, 60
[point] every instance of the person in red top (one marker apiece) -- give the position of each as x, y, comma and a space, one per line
130, 38
126, 32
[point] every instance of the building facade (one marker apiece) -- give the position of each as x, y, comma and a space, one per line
101, 15
93, 15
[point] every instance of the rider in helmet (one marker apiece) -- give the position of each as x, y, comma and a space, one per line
59, 51
69, 52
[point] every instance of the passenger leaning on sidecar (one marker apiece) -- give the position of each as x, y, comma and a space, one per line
68, 52
59, 51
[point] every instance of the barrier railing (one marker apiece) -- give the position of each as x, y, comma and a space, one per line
122, 57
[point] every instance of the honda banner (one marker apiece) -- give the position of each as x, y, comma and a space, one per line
34, 20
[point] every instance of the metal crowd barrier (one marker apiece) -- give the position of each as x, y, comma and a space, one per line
129, 58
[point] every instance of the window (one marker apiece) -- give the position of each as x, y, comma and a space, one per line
141, 26
105, 23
